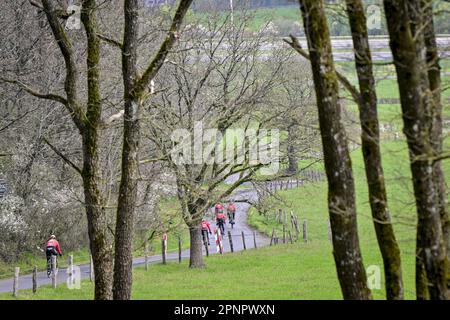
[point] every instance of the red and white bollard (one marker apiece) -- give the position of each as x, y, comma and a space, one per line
218, 238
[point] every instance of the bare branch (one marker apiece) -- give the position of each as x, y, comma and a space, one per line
110, 41
35, 93
62, 156
295, 44
36, 4
65, 46
166, 46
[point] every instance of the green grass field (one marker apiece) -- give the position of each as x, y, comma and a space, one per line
283, 272
310, 204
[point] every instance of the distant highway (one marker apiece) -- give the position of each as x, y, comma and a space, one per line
379, 46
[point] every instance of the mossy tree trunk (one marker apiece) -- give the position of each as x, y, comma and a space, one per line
123, 259
135, 87
370, 138
341, 190
87, 120
196, 244
406, 31
434, 75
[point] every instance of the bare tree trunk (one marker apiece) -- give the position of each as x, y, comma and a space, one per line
434, 75
100, 242
99, 238
196, 256
405, 25
370, 138
135, 87
341, 195
87, 123
123, 262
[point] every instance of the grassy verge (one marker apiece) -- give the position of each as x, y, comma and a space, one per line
310, 204
283, 272
28, 261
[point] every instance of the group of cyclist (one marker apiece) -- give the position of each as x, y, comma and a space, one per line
220, 219
53, 247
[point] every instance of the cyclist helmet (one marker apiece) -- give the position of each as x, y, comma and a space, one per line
218, 207
52, 236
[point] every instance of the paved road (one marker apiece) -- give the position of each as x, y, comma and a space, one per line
25, 281
376, 55
379, 46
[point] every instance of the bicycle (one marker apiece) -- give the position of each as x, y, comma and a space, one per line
221, 225
231, 216
50, 267
205, 236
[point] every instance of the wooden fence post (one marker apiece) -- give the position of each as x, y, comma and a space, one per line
91, 269
205, 243
290, 236
16, 282
330, 233
243, 240
293, 222
179, 249
146, 254
254, 239
70, 266
280, 216
272, 237
34, 279
297, 227
230, 239
54, 284
305, 231
163, 248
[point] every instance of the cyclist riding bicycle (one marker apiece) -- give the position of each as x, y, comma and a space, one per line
206, 227
52, 249
220, 222
231, 212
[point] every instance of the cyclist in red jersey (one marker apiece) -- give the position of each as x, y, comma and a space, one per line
231, 211
206, 228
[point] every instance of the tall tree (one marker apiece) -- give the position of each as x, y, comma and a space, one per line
406, 31
341, 190
86, 118
202, 122
370, 138
98, 228
136, 88
434, 75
